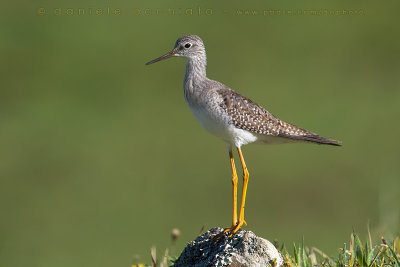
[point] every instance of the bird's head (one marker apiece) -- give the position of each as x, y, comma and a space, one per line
188, 46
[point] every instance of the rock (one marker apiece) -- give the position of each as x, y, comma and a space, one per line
244, 249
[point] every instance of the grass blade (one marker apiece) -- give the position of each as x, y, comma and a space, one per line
394, 255
377, 250
296, 256
359, 251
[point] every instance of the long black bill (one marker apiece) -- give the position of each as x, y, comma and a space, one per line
167, 55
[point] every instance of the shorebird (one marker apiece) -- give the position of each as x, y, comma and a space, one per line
230, 116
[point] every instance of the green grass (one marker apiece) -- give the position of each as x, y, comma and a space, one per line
354, 253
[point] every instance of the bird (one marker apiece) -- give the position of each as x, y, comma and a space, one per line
232, 117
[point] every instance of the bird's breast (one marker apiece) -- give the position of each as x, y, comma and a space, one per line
207, 111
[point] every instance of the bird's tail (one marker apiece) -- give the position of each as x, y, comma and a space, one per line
314, 138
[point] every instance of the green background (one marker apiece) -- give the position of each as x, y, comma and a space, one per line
100, 158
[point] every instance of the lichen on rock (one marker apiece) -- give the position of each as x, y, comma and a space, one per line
244, 249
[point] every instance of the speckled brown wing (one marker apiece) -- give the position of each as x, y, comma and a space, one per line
247, 115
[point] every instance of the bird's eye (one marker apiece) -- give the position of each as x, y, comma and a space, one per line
187, 45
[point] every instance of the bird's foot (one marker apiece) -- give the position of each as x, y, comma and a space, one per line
234, 228
231, 230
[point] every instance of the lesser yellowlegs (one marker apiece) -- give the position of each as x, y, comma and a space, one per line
230, 116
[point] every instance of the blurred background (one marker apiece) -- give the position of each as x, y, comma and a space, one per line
100, 158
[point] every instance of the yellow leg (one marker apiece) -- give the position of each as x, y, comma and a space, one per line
246, 176
236, 226
234, 183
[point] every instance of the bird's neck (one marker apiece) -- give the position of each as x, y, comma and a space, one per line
196, 68
194, 77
